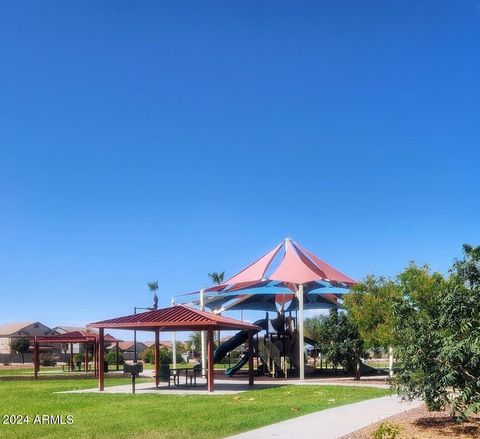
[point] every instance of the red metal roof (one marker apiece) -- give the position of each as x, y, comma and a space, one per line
177, 318
75, 337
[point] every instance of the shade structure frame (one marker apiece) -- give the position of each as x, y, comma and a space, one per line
169, 319
71, 338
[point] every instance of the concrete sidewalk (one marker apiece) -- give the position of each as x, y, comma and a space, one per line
335, 422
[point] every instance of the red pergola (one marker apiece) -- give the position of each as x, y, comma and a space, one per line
71, 338
175, 318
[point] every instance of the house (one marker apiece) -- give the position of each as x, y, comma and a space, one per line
127, 348
163, 344
13, 330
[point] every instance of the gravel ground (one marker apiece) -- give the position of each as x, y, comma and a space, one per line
420, 424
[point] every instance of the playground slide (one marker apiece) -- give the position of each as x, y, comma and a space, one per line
234, 342
310, 341
231, 370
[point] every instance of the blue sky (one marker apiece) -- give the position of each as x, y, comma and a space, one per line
164, 140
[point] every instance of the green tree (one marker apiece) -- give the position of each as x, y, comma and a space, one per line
20, 345
111, 357
195, 339
370, 308
437, 335
313, 327
181, 347
339, 340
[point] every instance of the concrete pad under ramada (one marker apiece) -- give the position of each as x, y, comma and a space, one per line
227, 386
222, 387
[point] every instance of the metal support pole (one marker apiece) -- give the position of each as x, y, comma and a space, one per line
135, 339
157, 357
101, 358
301, 343
250, 359
174, 343
210, 361
203, 336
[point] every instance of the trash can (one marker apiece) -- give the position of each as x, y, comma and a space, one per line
105, 366
164, 373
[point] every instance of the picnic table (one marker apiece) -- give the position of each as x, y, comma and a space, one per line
189, 374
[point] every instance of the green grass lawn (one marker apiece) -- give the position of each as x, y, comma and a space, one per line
161, 416
13, 371
28, 370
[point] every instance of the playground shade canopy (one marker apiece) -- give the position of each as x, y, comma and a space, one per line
272, 281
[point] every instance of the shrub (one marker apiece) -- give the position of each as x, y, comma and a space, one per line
112, 359
78, 359
387, 430
47, 360
165, 356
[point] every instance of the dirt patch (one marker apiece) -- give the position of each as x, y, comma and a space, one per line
421, 424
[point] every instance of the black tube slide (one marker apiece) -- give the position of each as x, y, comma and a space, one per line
232, 343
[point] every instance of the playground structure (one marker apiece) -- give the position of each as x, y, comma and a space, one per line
288, 279
275, 348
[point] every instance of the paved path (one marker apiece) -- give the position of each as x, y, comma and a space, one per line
335, 422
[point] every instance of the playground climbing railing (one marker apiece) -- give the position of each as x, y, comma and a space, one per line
268, 352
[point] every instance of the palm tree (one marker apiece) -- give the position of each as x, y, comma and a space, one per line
153, 287
217, 278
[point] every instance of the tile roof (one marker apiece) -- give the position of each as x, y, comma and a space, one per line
10, 328
63, 329
167, 344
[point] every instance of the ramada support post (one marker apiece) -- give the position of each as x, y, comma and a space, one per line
101, 355
250, 358
301, 342
157, 356
72, 367
210, 360
36, 358
117, 360
94, 359
85, 355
